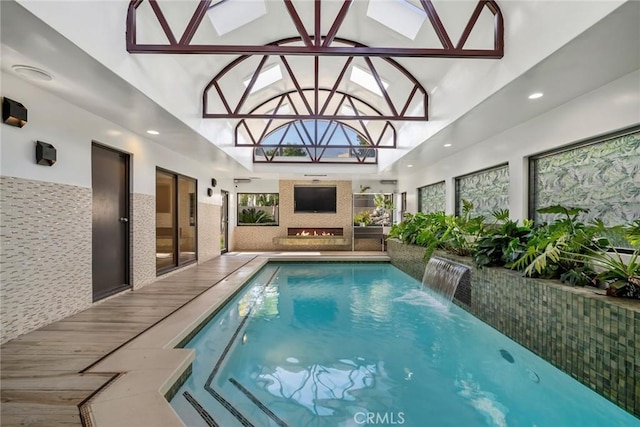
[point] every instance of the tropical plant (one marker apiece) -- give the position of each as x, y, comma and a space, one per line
383, 201
254, 216
455, 234
621, 277
363, 217
503, 243
551, 250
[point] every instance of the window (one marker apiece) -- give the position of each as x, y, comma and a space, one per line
431, 198
258, 208
176, 220
599, 175
487, 189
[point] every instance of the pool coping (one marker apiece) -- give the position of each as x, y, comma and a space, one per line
148, 366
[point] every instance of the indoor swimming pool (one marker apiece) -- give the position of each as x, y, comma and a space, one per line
351, 344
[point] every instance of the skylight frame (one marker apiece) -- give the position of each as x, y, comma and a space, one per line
367, 80
265, 79
227, 16
400, 16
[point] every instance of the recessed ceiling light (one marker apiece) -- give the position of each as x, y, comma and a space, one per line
447, 145
153, 132
536, 95
409, 166
32, 73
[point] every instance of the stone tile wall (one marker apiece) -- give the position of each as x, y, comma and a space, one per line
143, 239
593, 338
208, 231
45, 261
260, 238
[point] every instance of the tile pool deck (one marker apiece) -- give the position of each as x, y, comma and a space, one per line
127, 341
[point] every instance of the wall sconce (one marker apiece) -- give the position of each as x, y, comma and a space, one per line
209, 192
46, 154
13, 113
214, 182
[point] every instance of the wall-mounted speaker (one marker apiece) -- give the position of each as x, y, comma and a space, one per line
46, 154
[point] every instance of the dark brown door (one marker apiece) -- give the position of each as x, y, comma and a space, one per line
110, 184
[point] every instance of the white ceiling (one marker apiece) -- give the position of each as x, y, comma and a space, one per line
563, 49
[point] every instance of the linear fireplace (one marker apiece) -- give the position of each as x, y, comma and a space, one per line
314, 232
312, 237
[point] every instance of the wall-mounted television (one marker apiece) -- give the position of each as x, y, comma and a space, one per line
314, 199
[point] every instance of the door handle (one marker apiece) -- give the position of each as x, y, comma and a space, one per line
122, 219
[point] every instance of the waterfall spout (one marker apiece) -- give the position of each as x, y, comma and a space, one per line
444, 277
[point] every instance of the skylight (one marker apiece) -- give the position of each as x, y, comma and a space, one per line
399, 15
366, 80
349, 111
284, 109
265, 78
229, 15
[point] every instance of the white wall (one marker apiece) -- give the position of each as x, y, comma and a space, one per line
71, 130
612, 107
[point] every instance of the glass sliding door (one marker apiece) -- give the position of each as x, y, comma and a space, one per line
176, 220
187, 218
166, 256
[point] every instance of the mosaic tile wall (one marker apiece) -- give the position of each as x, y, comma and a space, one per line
143, 239
45, 236
592, 338
208, 231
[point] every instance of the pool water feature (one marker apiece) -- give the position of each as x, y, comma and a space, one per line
365, 344
444, 276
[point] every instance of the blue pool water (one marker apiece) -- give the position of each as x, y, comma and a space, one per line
365, 344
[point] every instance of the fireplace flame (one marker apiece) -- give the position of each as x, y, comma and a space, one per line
313, 233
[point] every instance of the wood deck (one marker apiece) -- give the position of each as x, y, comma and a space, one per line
42, 383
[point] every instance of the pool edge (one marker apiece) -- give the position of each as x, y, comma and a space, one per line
151, 364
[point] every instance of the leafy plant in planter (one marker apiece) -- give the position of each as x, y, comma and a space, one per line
621, 277
503, 243
440, 231
362, 218
254, 216
546, 252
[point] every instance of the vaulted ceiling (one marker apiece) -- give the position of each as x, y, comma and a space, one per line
357, 68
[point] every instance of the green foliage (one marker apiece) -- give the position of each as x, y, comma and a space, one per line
567, 249
503, 243
455, 234
383, 201
363, 217
549, 248
288, 150
254, 216
632, 233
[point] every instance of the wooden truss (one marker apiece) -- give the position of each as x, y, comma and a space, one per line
339, 110
315, 43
